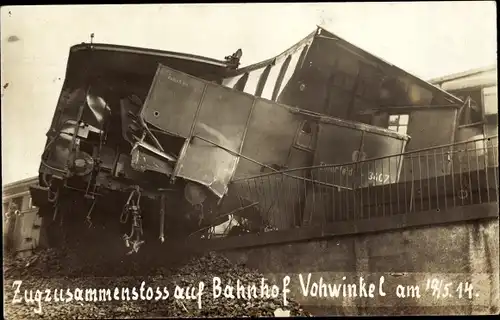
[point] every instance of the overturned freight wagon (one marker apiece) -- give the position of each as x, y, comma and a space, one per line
229, 135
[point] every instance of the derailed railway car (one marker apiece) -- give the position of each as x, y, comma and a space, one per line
180, 148
229, 135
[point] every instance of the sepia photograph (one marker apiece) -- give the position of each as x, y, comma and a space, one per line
249, 160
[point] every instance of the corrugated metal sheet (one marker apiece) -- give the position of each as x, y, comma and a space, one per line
281, 70
284, 66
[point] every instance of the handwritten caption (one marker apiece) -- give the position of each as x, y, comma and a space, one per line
220, 289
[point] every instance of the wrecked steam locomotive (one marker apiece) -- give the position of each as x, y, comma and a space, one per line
151, 141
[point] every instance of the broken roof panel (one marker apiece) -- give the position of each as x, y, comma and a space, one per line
303, 47
452, 98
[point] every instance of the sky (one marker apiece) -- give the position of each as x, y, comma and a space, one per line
427, 39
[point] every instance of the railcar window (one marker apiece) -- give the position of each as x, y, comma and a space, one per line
304, 136
306, 127
399, 123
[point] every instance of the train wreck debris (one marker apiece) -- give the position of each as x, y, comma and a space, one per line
190, 132
132, 208
194, 136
